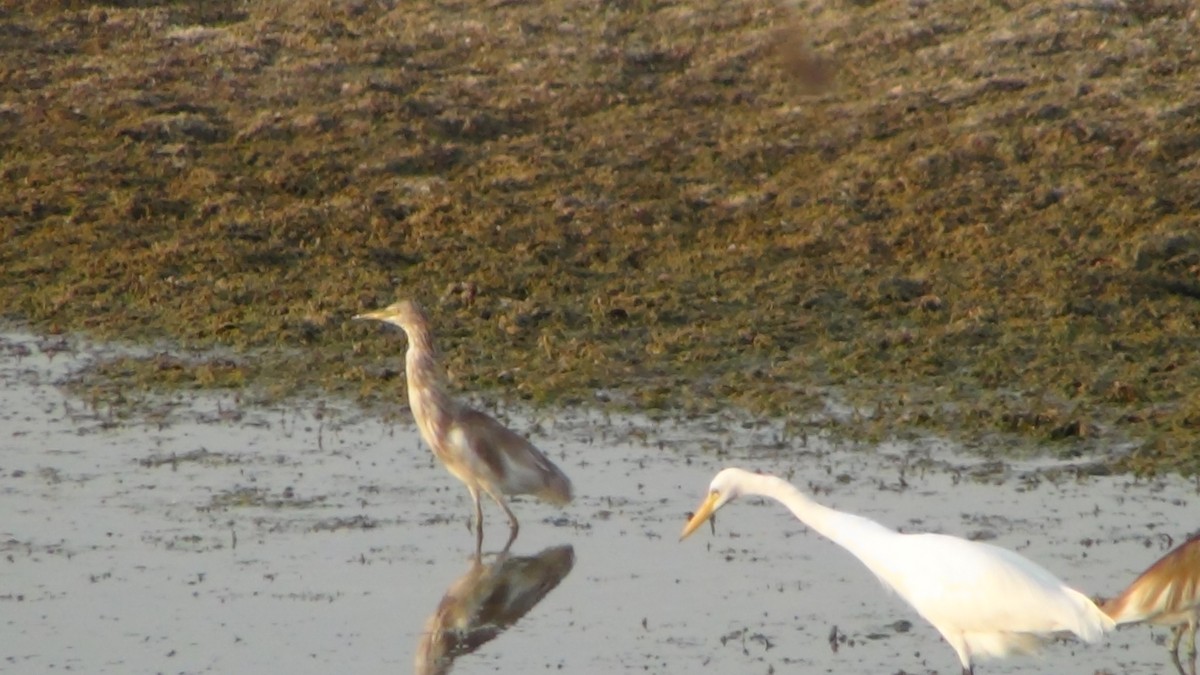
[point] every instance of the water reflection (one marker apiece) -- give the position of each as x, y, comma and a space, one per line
485, 601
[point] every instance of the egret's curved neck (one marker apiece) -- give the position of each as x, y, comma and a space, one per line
844, 529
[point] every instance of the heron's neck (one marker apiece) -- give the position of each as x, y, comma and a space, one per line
425, 375
420, 339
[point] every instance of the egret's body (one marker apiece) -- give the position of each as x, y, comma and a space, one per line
986, 601
482, 453
1166, 594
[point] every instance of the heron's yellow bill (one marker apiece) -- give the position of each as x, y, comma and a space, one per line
378, 315
702, 514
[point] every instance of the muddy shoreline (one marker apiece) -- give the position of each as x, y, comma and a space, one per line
222, 536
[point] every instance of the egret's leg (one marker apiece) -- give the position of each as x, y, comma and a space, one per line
1191, 628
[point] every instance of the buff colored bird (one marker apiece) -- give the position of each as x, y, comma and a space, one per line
482, 453
986, 601
1166, 594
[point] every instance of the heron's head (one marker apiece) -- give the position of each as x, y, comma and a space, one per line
724, 488
404, 313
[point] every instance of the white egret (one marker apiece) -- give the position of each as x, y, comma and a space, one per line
986, 601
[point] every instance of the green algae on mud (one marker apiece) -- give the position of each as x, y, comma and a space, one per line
985, 226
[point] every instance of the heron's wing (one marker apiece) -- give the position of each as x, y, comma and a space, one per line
518, 466
1170, 586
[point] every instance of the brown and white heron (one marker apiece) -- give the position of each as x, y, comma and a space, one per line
1166, 594
484, 454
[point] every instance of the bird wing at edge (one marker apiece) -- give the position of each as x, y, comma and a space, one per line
519, 467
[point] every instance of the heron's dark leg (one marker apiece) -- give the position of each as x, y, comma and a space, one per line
1179, 669
513, 526
512, 536
1176, 636
1190, 626
969, 670
478, 517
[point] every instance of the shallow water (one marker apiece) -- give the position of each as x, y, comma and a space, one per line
221, 539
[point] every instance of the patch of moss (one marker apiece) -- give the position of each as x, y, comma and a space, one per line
967, 219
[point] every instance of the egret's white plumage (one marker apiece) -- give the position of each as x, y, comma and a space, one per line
986, 601
1166, 594
484, 454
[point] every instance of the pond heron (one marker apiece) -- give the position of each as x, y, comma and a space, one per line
482, 453
1166, 594
986, 601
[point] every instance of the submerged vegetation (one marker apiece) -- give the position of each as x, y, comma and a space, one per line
976, 219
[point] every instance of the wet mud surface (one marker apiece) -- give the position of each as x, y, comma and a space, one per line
217, 537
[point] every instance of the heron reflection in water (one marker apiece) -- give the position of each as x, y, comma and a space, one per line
485, 601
